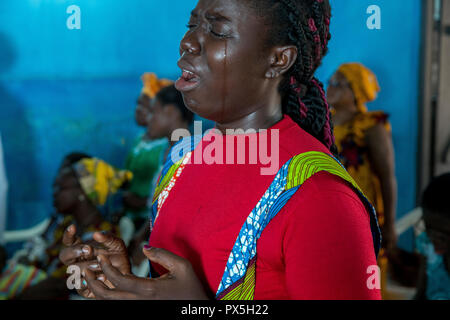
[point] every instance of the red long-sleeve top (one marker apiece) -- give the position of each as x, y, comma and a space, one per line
319, 246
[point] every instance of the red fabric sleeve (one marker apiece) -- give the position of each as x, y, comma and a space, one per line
328, 245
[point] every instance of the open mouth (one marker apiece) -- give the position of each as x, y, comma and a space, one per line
188, 81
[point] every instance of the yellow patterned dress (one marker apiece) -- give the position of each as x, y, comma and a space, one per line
354, 155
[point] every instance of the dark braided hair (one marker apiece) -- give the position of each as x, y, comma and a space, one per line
305, 24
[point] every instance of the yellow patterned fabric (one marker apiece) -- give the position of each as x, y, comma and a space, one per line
98, 179
152, 85
164, 180
304, 166
246, 289
363, 82
354, 154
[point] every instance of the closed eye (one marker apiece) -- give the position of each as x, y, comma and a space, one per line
218, 35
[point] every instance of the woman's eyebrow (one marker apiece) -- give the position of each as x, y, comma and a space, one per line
216, 16
211, 16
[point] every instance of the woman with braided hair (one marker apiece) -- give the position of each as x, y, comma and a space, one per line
227, 231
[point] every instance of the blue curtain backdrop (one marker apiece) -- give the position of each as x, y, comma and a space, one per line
63, 90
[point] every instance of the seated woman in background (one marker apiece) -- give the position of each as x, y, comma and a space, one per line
434, 242
167, 113
145, 156
365, 146
79, 189
23, 269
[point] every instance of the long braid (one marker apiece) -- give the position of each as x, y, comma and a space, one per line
305, 24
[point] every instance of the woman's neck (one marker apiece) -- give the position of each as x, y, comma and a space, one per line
262, 118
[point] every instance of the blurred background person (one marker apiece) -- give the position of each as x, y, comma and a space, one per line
434, 242
81, 187
145, 156
365, 146
167, 113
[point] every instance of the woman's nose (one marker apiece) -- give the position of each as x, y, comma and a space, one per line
190, 43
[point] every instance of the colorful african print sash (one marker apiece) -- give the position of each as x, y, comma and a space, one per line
238, 280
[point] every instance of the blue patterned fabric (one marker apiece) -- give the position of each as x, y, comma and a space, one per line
438, 279
245, 247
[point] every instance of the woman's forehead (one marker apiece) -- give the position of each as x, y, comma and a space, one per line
224, 10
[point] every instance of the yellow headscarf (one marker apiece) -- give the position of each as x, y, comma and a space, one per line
152, 85
99, 180
363, 82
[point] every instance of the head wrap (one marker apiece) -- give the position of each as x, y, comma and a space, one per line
152, 85
99, 180
363, 83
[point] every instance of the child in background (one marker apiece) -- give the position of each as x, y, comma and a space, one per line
434, 242
168, 113
145, 155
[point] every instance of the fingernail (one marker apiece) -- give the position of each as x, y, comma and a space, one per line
147, 247
85, 249
99, 259
84, 283
101, 278
93, 266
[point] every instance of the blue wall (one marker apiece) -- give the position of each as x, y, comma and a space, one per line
63, 90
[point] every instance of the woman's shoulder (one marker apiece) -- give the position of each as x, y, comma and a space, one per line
326, 198
294, 140
327, 187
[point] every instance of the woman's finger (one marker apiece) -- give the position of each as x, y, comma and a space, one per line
166, 259
92, 265
69, 236
72, 254
118, 280
101, 291
110, 242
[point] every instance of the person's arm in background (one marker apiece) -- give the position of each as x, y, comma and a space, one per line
381, 151
134, 248
328, 248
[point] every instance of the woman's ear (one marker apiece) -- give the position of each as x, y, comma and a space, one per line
281, 60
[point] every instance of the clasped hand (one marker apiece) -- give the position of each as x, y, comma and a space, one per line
106, 271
